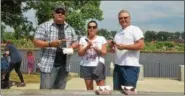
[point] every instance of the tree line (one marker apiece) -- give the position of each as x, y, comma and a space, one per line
149, 35
164, 36
78, 12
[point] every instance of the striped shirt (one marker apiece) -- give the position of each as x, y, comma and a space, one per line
48, 31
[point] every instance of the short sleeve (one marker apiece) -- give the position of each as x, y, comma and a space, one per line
138, 34
82, 41
74, 35
40, 33
104, 41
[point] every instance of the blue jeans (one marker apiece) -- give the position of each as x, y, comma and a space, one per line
57, 79
125, 75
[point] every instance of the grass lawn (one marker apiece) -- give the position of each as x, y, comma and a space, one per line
32, 78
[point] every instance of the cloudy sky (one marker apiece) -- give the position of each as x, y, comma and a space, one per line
148, 15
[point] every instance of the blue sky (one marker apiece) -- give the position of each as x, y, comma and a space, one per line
148, 15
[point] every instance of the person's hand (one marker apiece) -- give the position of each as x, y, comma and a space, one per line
56, 43
74, 45
89, 44
120, 46
97, 49
111, 43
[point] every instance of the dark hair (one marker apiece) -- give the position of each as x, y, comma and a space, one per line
29, 52
92, 21
8, 42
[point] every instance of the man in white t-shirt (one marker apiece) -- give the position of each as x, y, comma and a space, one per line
127, 45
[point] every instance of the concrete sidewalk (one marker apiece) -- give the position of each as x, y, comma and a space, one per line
77, 93
146, 85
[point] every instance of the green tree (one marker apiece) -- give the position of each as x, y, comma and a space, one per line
105, 33
113, 33
8, 36
162, 36
78, 11
182, 35
12, 15
150, 35
11, 12
170, 36
27, 28
177, 35
17, 32
3, 27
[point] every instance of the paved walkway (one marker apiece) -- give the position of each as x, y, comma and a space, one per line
148, 85
77, 93
165, 86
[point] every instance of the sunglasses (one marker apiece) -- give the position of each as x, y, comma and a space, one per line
94, 27
120, 18
60, 12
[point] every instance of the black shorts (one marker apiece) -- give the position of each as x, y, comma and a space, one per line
86, 72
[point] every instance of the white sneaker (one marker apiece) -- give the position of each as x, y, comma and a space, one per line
128, 90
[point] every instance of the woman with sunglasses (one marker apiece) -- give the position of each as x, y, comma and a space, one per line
92, 49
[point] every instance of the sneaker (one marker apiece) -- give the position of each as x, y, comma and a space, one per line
129, 90
21, 85
126, 91
5, 85
134, 91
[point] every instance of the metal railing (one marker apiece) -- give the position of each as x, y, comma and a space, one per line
154, 67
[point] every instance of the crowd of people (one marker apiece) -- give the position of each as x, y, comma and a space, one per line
56, 34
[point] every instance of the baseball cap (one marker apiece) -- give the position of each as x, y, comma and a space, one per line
57, 7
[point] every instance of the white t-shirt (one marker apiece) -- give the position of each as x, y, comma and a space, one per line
128, 36
91, 57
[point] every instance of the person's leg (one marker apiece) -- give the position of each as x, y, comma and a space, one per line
46, 81
89, 84
32, 68
3, 73
116, 78
6, 83
100, 79
17, 70
86, 74
132, 76
131, 80
123, 76
10, 68
100, 82
29, 70
61, 78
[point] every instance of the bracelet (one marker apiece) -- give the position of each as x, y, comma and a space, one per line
49, 43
